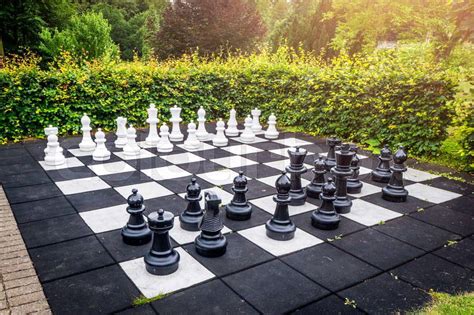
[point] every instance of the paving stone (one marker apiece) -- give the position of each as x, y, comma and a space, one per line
32, 193
329, 305
454, 221
461, 253
42, 209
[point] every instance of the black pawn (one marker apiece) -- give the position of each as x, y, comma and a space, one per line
382, 172
162, 259
239, 208
136, 232
395, 190
354, 185
326, 217
332, 142
280, 227
315, 187
190, 218
296, 168
342, 171
211, 242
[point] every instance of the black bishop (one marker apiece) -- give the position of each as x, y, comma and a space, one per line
382, 172
136, 232
239, 208
315, 187
354, 185
395, 190
326, 217
189, 219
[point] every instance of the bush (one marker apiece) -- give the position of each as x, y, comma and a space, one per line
377, 98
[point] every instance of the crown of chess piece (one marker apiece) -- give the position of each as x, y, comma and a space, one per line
395, 190
271, 132
256, 127
192, 142
175, 119
232, 130
164, 145
87, 144
48, 131
354, 185
121, 133
247, 136
55, 152
220, 140
280, 227
210, 242
136, 232
315, 188
382, 172
326, 217
101, 153
201, 132
332, 142
342, 171
239, 208
296, 169
131, 148
152, 138
191, 217
162, 259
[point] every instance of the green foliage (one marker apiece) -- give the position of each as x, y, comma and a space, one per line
381, 97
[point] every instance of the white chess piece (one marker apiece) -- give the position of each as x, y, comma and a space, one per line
256, 127
201, 132
121, 132
50, 130
100, 153
192, 142
220, 140
164, 145
87, 144
232, 130
131, 148
153, 138
176, 134
55, 152
247, 136
272, 132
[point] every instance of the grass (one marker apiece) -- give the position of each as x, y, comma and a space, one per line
141, 300
446, 304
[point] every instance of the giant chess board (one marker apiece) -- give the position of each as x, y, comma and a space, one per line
383, 257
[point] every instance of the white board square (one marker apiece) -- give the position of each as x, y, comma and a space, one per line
364, 170
267, 204
166, 172
224, 195
368, 214
70, 162
147, 190
292, 142
78, 152
241, 149
143, 145
367, 189
106, 219
258, 236
111, 168
190, 272
270, 180
204, 146
143, 155
234, 161
219, 178
257, 140
183, 236
430, 194
182, 158
417, 175
76, 186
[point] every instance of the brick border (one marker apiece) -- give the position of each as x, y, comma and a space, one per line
20, 289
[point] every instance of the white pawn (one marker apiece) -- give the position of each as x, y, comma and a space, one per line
192, 142
256, 127
247, 136
176, 134
220, 140
201, 132
272, 132
164, 145
55, 152
121, 132
87, 144
131, 148
232, 130
100, 153
153, 138
50, 130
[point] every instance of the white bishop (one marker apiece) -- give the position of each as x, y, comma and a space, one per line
164, 145
87, 144
201, 132
247, 136
192, 142
272, 132
220, 140
131, 148
55, 152
232, 130
121, 132
100, 153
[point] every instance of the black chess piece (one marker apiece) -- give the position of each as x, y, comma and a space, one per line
354, 185
296, 168
326, 217
332, 142
280, 227
382, 172
395, 190
211, 242
239, 208
314, 188
341, 171
190, 218
136, 232
162, 259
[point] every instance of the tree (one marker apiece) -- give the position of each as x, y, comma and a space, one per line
209, 26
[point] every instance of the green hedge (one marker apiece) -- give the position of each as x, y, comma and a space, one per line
379, 98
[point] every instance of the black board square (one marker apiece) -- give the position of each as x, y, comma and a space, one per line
264, 157
171, 203
385, 295
67, 258
464, 204
176, 150
147, 163
417, 233
97, 199
19, 168
267, 145
70, 173
258, 217
178, 185
290, 289
461, 253
451, 185
328, 305
257, 171
200, 167
12, 149
432, 272
88, 160
54, 230
126, 178
25, 179
411, 205
454, 221
346, 226
212, 153
41, 209
330, 267
105, 290
377, 248
16, 159
256, 189
32, 193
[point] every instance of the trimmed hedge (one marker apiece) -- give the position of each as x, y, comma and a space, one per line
374, 99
